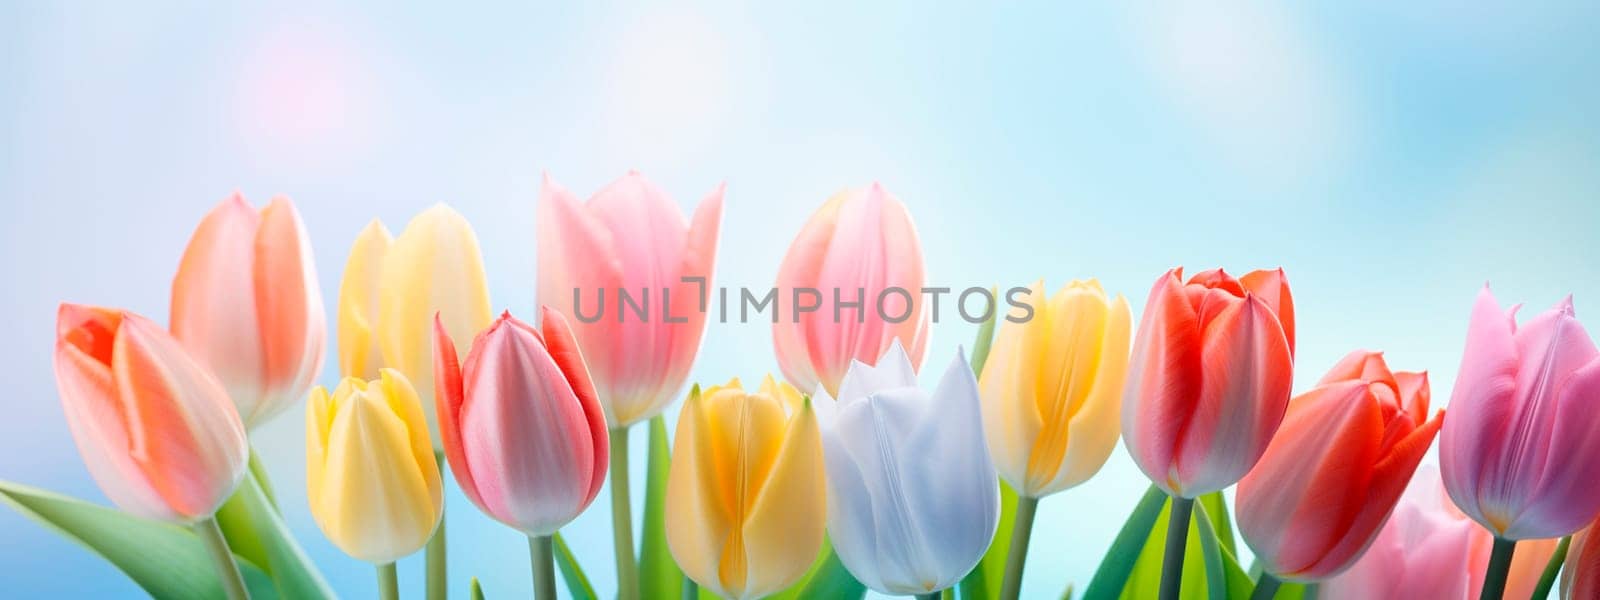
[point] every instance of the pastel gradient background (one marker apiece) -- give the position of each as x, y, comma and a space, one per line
1391, 158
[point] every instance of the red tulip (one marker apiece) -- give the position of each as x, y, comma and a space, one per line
1209, 379
1336, 468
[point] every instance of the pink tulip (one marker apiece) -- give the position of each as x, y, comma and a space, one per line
1210, 378
1520, 453
859, 247
630, 238
1336, 468
521, 425
245, 302
154, 426
1428, 549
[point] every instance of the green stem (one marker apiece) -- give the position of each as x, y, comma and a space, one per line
1022, 529
388, 583
930, 596
1266, 587
437, 559
1177, 543
691, 590
1494, 580
221, 558
622, 518
541, 550
1547, 580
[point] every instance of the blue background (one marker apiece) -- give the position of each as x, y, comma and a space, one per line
1391, 158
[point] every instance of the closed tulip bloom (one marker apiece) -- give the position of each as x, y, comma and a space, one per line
393, 289
1336, 469
370, 474
1580, 576
1210, 378
629, 238
1429, 549
1519, 453
522, 428
912, 498
245, 302
1052, 388
154, 426
745, 506
860, 247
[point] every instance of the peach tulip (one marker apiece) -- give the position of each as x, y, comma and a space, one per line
1210, 378
155, 427
859, 247
245, 302
1429, 549
1519, 452
522, 428
629, 238
1336, 468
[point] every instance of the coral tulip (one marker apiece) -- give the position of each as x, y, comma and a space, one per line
522, 428
245, 302
370, 473
857, 254
1580, 576
745, 503
1210, 378
912, 497
1052, 388
1336, 469
393, 289
155, 427
630, 238
1519, 452
1428, 549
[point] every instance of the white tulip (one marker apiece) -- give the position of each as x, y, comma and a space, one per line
913, 500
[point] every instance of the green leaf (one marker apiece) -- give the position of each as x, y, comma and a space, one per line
166, 560
1145, 580
980, 346
251, 521
1217, 509
1547, 579
984, 581
1125, 551
659, 576
577, 583
259, 471
476, 592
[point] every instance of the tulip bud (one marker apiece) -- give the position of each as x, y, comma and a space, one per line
154, 426
1209, 379
745, 503
360, 355
521, 425
1519, 452
630, 238
1580, 575
371, 477
860, 247
1052, 388
1336, 468
912, 499
245, 302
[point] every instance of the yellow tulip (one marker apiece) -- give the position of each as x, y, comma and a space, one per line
359, 354
1052, 388
745, 505
370, 473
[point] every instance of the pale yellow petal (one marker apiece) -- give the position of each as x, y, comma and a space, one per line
359, 355
1010, 418
375, 503
1097, 424
784, 528
695, 524
1066, 372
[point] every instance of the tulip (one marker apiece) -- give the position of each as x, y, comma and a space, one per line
745, 503
245, 302
1580, 575
912, 497
1051, 392
360, 355
1336, 469
155, 427
1429, 549
522, 428
860, 247
630, 238
1519, 454
370, 474
1207, 387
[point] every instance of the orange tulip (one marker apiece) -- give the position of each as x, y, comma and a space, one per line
1336, 468
154, 426
245, 302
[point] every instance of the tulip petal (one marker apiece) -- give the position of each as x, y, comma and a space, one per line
377, 504
1011, 418
563, 348
799, 269
696, 519
892, 370
359, 353
449, 400
1273, 288
1564, 499
1480, 404
784, 527
1093, 430
214, 310
1164, 378
289, 306
576, 261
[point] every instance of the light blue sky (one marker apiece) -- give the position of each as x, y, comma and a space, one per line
1391, 158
